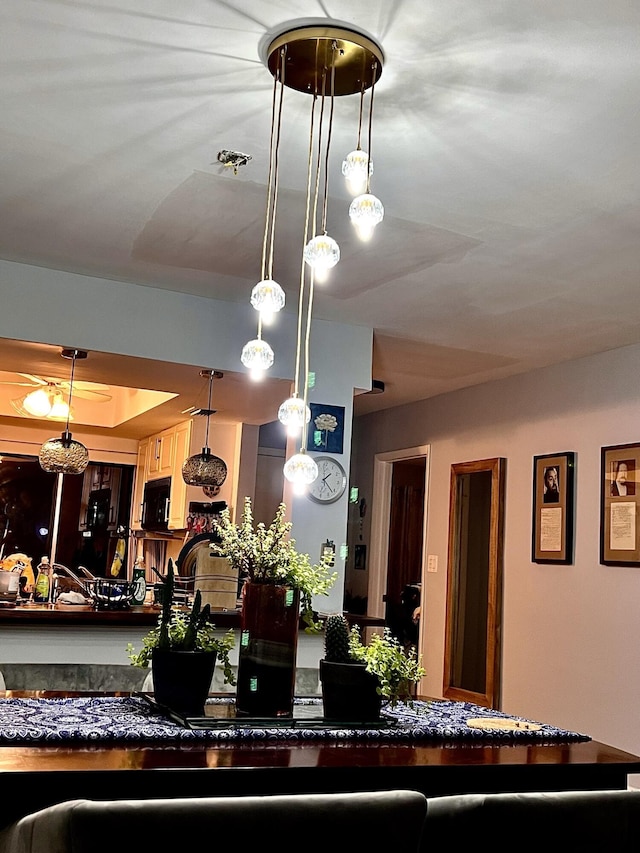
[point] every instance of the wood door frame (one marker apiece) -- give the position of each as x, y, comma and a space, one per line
380, 515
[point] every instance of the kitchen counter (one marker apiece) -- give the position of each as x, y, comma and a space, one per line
69, 614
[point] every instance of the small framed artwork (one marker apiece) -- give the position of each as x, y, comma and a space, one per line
619, 498
553, 508
326, 428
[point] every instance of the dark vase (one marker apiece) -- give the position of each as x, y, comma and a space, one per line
349, 693
182, 680
268, 646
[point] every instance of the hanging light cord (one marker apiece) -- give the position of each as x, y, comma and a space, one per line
73, 369
325, 197
296, 383
272, 178
358, 146
206, 431
374, 68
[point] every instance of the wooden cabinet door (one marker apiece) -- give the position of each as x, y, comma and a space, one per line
178, 504
142, 470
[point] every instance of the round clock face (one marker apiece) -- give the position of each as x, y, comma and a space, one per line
330, 483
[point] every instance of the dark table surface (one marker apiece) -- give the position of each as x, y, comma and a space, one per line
34, 776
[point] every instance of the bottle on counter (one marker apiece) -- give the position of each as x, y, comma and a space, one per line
139, 582
43, 581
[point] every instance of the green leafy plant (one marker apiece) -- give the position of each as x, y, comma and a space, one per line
396, 668
268, 555
184, 632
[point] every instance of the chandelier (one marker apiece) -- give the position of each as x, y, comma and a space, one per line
324, 62
205, 469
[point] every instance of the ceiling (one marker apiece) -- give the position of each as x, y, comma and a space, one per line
505, 145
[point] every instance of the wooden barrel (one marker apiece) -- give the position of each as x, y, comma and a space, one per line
216, 579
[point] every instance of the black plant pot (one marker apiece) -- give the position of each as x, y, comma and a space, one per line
182, 680
349, 693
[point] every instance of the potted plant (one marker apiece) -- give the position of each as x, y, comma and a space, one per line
279, 584
183, 649
356, 677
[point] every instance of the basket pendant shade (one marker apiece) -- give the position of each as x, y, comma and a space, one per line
205, 469
65, 455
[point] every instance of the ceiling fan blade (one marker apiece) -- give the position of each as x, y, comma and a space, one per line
36, 380
20, 384
87, 394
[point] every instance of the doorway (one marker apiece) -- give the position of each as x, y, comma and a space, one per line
398, 531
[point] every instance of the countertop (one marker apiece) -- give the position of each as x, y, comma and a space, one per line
67, 614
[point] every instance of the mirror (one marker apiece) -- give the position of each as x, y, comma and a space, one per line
474, 583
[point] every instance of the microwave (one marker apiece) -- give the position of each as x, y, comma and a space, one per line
155, 504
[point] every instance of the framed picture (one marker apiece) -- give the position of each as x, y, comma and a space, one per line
619, 497
326, 428
553, 508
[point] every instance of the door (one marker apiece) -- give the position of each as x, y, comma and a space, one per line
381, 527
404, 564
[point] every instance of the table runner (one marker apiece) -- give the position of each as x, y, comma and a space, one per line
131, 719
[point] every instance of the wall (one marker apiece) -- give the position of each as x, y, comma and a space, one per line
571, 634
52, 306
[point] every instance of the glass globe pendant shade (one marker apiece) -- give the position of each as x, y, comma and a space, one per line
38, 403
300, 470
354, 168
365, 212
268, 298
294, 414
63, 455
257, 356
322, 253
204, 469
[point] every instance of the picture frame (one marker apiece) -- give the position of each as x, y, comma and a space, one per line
553, 508
326, 428
619, 500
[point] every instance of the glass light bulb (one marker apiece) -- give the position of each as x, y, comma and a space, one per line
294, 413
268, 298
257, 356
38, 403
300, 470
322, 253
365, 212
59, 409
354, 168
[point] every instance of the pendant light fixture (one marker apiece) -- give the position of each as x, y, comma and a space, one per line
323, 61
205, 469
64, 455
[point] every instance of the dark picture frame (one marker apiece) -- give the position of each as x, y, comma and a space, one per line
619, 500
553, 508
325, 431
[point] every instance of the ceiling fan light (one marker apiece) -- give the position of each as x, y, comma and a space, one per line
365, 212
63, 455
38, 403
268, 298
354, 168
204, 469
300, 470
293, 414
322, 253
60, 410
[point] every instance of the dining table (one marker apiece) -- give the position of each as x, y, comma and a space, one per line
60, 745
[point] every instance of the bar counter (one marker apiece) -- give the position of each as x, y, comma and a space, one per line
34, 776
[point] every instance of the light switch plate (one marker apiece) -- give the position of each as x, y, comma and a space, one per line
432, 563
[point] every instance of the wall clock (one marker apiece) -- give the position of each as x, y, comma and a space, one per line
330, 483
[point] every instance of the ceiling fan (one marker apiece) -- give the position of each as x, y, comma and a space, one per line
86, 390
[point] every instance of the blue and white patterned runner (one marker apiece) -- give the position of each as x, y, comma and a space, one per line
132, 719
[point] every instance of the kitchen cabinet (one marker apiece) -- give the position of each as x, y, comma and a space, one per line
161, 454
142, 468
100, 498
